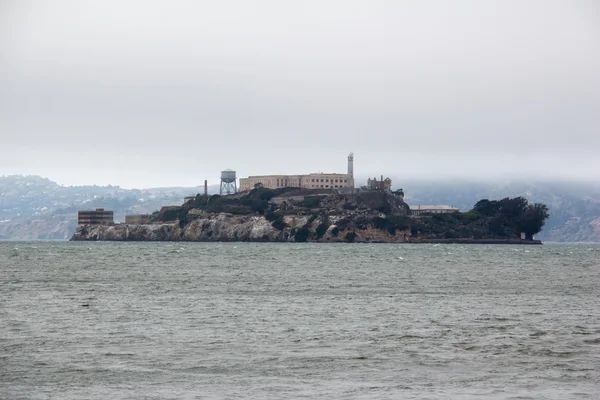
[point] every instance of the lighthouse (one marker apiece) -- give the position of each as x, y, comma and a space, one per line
351, 165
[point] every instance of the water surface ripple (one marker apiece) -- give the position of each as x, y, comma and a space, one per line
268, 321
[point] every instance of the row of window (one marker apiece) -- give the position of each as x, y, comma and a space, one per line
327, 186
327, 180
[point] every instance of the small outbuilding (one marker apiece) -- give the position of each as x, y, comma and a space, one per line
96, 217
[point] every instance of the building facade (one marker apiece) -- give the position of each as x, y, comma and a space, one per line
384, 185
309, 181
97, 217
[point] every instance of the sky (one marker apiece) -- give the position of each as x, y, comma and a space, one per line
146, 93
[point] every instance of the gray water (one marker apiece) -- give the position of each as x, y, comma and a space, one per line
267, 321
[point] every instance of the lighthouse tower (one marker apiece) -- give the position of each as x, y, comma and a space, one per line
351, 169
351, 165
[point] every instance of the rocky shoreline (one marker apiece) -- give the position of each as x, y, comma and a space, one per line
223, 228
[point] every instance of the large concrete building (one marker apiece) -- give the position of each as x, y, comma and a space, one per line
309, 181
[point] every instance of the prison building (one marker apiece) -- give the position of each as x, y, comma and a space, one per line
97, 217
309, 181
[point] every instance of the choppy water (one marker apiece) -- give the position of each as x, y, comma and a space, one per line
198, 321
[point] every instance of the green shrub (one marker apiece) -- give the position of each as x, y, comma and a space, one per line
302, 234
350, 236
239, 210
310, 202
385, 208
349, 206
171, 214
266, 194
271, 216
467, 217
361, 222
441, 217
342, 223
400, 222
392, 223
380, 223
197, 202
321, 229
259, 206
450, 234
279, 224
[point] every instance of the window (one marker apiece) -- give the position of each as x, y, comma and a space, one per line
336, 181
326, 180
321, 185
321, 181
345, 180
313, 180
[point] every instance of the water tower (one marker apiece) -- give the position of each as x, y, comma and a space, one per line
228, 185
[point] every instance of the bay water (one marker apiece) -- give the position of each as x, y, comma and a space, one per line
284, 321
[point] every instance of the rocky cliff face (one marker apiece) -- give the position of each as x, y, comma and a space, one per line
221, 228
228, 228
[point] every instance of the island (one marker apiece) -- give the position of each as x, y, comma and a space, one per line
313, 215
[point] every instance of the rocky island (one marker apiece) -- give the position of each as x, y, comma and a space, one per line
306, 215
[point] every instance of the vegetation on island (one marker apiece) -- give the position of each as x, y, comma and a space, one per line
513, 216
312, 215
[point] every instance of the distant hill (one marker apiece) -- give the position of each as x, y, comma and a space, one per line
32, 207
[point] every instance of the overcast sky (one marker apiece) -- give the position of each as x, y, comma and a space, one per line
145, 93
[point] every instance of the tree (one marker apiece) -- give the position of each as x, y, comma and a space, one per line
510, 217
513, 208
486, 207
533, 219
322, 228
279, 223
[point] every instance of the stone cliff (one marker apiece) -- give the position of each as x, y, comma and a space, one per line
228, 228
